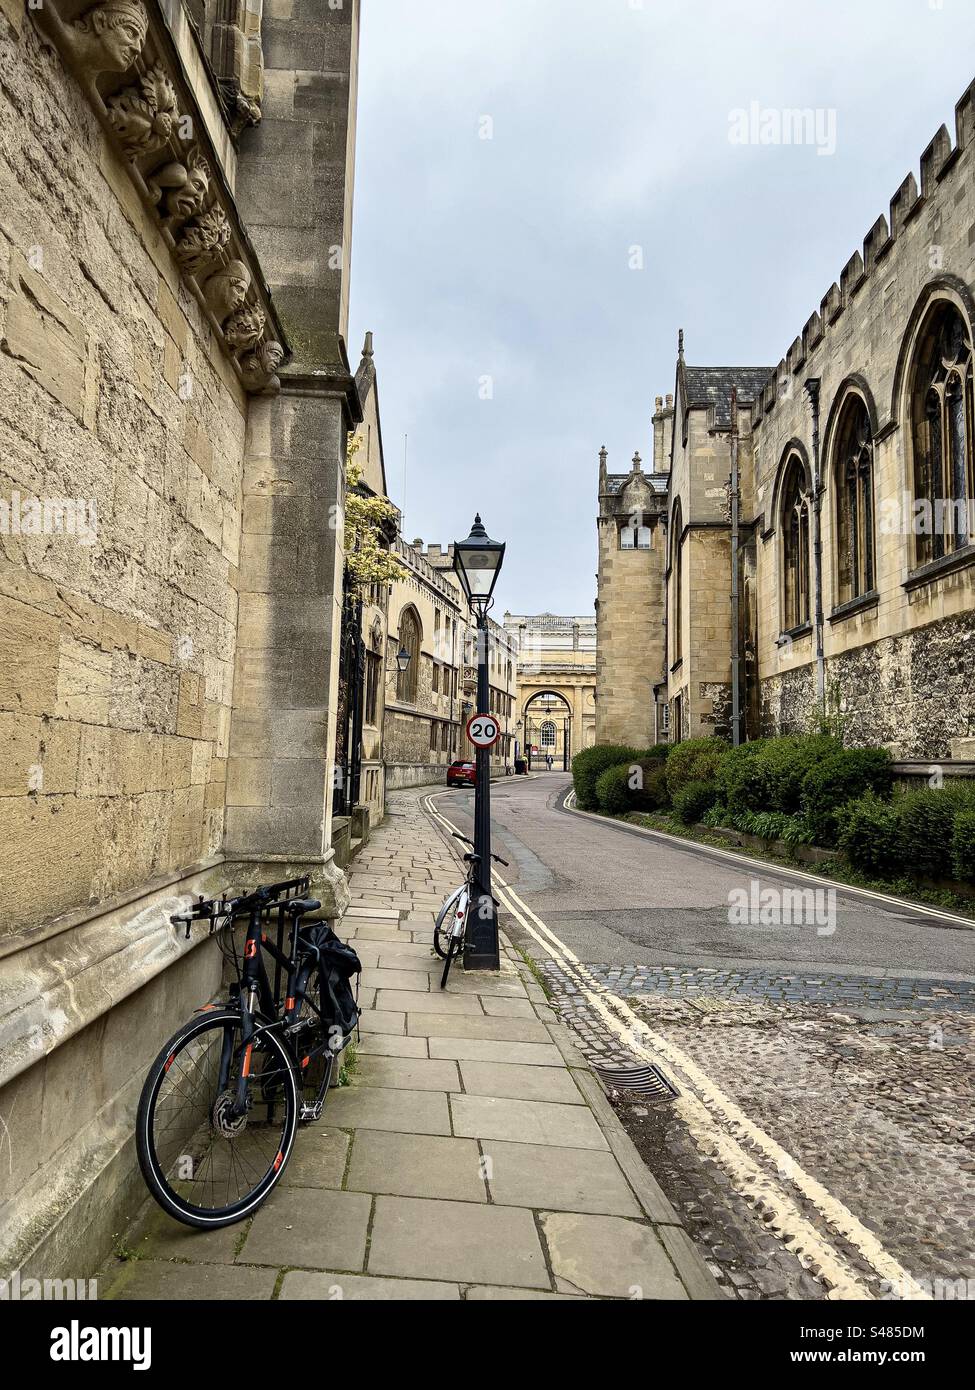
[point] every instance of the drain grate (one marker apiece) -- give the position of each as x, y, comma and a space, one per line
648, 1080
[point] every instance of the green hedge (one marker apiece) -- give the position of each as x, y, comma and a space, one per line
963, 846
868, 833
741, 777
839, 778
768, 774
693, 760
927, 833
694, 800
925, 829
590, 763
632, 786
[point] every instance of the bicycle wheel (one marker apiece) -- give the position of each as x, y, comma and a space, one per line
454, 949
444, 924
204, 1165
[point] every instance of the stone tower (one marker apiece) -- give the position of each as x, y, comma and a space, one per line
632, 532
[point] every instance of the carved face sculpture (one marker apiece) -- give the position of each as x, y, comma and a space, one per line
227, 289
272, 355
185, 201
121, 27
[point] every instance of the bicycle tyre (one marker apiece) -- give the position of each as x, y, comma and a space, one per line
453, 950
156, 1169
441, 938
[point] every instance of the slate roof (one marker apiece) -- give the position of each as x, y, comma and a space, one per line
712, 386
615, 482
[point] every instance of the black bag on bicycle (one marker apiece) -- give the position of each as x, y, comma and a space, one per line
337, 965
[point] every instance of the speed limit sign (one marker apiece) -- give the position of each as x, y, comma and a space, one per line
483, 730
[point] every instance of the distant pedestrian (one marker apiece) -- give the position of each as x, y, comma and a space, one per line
549, 760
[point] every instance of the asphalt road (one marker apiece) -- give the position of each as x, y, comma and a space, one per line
620, 898
819, 1141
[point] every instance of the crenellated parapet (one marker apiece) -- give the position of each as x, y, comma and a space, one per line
936, 164
122, 55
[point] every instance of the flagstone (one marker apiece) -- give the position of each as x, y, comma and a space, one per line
526, 1122
305, 1285
490, 1050
516, 1081
417, 1165
375, 978
466, 1241
376, 1021
389, 1045
384, 1107
535, 1175
291, 1230
432, 1002
404, 1073
478, 1026
610, 1256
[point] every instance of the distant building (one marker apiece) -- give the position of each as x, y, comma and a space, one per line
556, 695
428, 705
856, 547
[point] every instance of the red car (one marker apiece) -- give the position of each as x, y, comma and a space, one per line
461, 774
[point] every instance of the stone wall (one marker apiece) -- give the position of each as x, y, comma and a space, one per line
166, 585
629, 618
871, 687
117, 640
898, 661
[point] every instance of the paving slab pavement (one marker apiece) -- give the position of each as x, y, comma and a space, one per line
471, 1156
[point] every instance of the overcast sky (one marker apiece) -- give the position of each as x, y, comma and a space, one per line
512, 336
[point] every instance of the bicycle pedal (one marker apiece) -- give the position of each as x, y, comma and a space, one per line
311, 1112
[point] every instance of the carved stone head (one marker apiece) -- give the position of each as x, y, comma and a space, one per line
227, 289
117, 28
190, 197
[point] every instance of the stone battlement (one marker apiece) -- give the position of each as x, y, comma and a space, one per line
937, 162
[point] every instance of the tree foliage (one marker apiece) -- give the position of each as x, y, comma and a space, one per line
368, 520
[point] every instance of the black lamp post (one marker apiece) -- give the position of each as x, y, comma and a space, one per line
477, 563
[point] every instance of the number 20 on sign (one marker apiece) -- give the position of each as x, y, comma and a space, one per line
483, 730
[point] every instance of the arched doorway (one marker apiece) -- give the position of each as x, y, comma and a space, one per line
548, 729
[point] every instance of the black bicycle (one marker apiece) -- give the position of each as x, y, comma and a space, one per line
450, 929
222, 1102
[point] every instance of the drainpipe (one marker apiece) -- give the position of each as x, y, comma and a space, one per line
812, 391
735, 597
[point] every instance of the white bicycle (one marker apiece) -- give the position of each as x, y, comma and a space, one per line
450, 928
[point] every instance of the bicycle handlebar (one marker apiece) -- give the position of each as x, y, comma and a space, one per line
211, 909
496, 857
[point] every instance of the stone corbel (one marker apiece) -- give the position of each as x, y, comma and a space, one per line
238, 60
121, 54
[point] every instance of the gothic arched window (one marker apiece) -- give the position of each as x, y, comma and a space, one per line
853, 476
374, 674
409, 639
795, 546
942, 429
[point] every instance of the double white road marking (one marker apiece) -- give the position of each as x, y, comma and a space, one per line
723, 1131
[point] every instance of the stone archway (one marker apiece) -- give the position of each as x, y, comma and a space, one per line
546, 712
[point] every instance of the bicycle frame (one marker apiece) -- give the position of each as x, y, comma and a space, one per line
259, 1004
